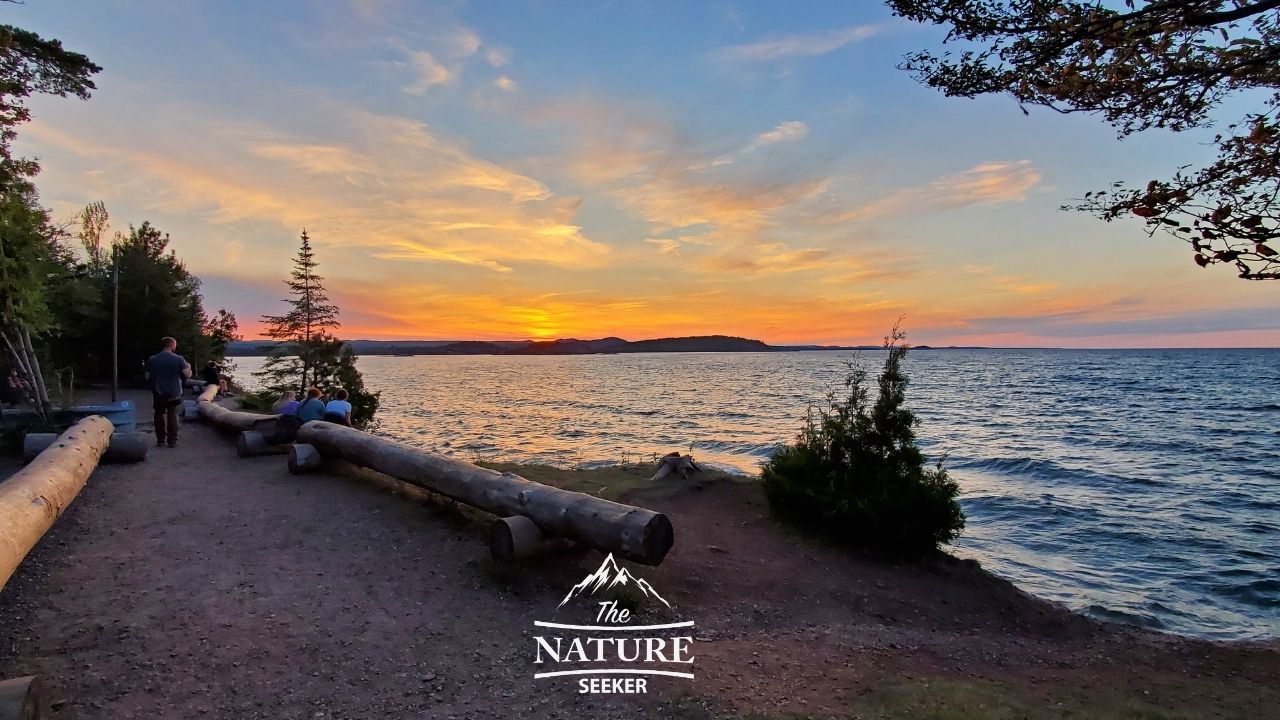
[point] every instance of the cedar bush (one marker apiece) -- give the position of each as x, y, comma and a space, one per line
855, 474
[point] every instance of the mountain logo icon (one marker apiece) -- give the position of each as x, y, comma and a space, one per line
611, 575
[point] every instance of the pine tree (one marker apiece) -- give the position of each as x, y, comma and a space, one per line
302, 331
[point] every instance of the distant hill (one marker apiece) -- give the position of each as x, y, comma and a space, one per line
570, 346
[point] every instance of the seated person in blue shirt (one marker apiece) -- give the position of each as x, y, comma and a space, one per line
312, 408
338, 410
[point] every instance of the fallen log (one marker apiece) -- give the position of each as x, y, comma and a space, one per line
23, 699
233, 420
123, 448
252, 443
635, 533
674, 462
36, 496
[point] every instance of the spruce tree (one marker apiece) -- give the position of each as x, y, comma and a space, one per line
308, 353
301, 332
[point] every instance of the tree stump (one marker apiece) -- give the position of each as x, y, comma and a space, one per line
23, 699
674, 462
123, 448
304, 458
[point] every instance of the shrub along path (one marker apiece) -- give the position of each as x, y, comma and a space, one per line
202, 585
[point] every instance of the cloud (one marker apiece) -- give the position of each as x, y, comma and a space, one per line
798, 45
784, 132
990, 183
428, 72
418, 197
497, 57
505, 84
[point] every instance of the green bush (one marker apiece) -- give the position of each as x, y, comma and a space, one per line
855, 474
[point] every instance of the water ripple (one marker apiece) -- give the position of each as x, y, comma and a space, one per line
1130, 485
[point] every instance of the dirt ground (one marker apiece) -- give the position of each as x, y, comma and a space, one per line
201, 585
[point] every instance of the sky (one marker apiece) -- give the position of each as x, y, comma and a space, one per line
514, 170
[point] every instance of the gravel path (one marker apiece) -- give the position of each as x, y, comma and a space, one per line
198, 584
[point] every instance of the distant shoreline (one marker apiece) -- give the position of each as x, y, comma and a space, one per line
615, 346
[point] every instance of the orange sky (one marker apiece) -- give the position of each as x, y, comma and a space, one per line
464, 175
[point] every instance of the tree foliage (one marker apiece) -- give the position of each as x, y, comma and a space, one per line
1159, 64
30, 64
856, 475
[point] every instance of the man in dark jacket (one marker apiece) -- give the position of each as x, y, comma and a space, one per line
165, 372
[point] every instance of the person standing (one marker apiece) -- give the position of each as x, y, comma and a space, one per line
165, 372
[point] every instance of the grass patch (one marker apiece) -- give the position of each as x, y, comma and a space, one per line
612, 482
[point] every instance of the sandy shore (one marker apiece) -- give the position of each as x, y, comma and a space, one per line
202, 585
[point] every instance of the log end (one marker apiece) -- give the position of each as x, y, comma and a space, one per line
23, 699
304, 458
513, 537
659, 536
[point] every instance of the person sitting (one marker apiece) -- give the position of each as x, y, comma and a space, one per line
312, 408
13, 392
287, 404
212, 376
338, 410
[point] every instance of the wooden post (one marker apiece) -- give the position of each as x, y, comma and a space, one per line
123, 448
36, 496
304, 458
634, 533
23, 699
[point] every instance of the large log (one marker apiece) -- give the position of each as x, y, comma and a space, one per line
123, 448
233, 420
23, 699
33, 498
634, 533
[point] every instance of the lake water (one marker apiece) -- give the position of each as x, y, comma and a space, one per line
1137, 486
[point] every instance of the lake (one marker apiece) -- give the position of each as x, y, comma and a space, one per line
1141, 486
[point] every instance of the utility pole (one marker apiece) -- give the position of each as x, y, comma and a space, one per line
115, 321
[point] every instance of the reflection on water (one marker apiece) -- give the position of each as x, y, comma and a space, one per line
1135, 485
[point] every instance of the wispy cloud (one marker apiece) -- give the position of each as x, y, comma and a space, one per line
420, 197
798, 45
989, 183
427, 72
784, 132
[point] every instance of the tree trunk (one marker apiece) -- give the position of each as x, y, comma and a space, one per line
123, 448
42, 392
24, 371
634, 533
32, 499
23, 699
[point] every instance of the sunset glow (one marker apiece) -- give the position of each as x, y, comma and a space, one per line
511, 170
